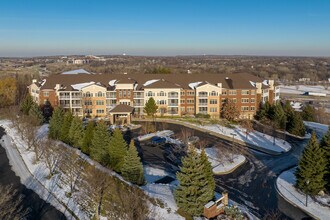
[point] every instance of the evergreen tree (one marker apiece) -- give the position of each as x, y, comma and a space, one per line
308, 113
193, 190
287, 108
132, 169
117, 150
279, 116
261, 113
55, 123
47, 110
100, 143
26, 104
36, 115
88, 137
295, 124
151, 108
229, 111
311, 168
76, 132
209, 174
325, 145
64, 134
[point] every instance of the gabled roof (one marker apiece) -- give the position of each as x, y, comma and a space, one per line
162, 83
122, 108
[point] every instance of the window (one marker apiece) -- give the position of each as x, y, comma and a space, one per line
128, 93
253, 100
182, 93
149, 93
224, 92
88, 111
190, 101
234, 100
182, 101
245, 100
124, 93
99, 94
245, 108
88, 102
46, 94
99, 102
213, 101
223, 100
252, 108
190, 109
120, 94
161, 93
182, 109
99, 111
213, 109
202, 94
191, 93
245, 92
232, 92
253, 92
213, 93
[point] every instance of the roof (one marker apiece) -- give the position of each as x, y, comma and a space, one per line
122, 108
74, 72
228, 81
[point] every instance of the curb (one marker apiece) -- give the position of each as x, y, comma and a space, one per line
231, 170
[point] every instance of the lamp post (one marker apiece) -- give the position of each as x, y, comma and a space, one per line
307, 182
233, 136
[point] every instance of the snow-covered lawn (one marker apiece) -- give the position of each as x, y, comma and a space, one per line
323, 128
163, 192
225, 164
255, 138
40, 171
285, 184
164, 133
301, 89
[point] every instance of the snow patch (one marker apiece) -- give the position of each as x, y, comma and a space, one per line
149, 82
194, 85
79, 86
73, 72
112, 82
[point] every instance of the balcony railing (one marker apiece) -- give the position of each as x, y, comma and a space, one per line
76, 105
65, 105
138, 96
173, 104
173, 96
203, 112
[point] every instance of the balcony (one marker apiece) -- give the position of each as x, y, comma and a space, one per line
76, 97
171, 96
173, 104
136, 96
64, 97
76, 105
65, 105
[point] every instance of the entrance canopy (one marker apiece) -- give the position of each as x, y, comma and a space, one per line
121, 111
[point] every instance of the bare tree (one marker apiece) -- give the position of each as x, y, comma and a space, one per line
185, 135
95, 184
71, 167
11, 203
247, 125
52, 156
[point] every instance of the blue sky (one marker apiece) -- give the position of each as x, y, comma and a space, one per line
160, 27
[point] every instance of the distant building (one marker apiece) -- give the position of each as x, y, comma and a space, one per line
96, 95
304, 80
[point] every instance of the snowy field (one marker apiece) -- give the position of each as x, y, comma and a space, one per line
40, 172
163, 192
256, 138
225, 164
285, 184
301, 89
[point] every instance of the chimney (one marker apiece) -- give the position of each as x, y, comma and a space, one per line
219, 85
258, 86
57, 87
271, 84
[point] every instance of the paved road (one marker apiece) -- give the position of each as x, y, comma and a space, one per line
26, 178
253, 184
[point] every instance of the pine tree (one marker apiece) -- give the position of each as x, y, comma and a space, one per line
308, 113
279, 116
76, 132
88, 137
209, 174
192, 192
150, 107
229, 111
117, 150
325, 145
311, 168
100, 143
55, 123
132, 169
26, 104
64, 134
36, 115
295, 124
261, 113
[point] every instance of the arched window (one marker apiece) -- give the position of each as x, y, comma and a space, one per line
213, 93
99, 94
161, 93
88, 94
149, 93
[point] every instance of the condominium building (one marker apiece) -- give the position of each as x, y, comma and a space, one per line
96, 95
